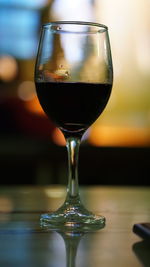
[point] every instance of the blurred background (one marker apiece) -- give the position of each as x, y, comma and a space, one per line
116, 149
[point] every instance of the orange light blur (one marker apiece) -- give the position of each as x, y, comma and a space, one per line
58, 137
118, 136
6, 204
34, 106
8, 68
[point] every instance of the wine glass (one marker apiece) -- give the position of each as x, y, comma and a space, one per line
73, 78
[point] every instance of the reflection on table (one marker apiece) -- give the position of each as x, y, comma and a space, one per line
25, 243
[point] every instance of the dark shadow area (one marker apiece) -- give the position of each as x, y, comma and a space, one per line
141, 250
36, 161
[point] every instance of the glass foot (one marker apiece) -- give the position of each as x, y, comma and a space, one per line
72, 217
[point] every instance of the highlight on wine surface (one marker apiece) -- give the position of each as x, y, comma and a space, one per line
73, 84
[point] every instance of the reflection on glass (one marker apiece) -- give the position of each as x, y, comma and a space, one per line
69, 44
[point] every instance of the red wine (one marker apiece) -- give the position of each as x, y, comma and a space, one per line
73, 107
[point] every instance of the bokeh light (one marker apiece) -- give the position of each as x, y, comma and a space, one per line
8, 68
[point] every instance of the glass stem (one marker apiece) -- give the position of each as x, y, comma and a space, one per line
73, 145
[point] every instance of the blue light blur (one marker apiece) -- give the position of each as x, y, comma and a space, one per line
19, 23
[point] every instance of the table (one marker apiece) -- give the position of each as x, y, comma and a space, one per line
24, 243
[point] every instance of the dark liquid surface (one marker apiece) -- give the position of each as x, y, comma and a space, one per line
73, 107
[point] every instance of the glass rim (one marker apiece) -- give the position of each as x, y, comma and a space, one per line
82, 23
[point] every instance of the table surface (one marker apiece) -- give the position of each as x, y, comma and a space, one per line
24, 243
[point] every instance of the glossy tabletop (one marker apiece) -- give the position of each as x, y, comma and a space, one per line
24, 243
